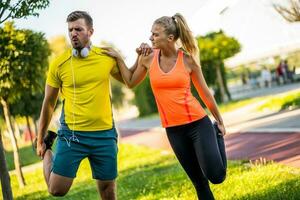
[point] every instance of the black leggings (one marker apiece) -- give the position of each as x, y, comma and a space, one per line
201, 152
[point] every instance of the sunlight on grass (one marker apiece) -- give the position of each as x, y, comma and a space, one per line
232, 105
289, 101
147, 174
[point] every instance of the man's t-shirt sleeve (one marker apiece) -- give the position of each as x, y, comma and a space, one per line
115, 68
52, 76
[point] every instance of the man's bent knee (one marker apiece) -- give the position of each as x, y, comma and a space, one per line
59, 185
57, 192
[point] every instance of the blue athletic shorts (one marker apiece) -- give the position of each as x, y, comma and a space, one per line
100, 147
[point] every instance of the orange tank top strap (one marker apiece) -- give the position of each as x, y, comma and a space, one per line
154, 61
180, 63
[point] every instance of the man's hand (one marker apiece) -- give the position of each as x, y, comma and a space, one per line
144, 49
40, 149
111, 52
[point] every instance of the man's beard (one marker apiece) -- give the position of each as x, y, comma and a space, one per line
77, 45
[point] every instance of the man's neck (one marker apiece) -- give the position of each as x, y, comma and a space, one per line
87, 45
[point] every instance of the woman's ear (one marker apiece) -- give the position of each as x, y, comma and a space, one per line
171, 38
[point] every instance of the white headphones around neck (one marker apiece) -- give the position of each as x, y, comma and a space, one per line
84, 52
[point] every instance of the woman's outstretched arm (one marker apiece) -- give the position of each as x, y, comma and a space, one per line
204, 92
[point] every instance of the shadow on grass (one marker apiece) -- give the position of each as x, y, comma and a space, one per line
158, 177
160, 180
85, 190
27, 157
164, 179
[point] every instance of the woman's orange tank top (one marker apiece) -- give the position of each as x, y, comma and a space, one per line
172, 92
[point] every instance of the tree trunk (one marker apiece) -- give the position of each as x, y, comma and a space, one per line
14, 143
4, 175
17, 130
223, 73
35, 126
221, 85
30, 132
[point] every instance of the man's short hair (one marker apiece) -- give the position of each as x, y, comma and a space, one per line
73, 16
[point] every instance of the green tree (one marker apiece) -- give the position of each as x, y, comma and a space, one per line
29, 107
214, 48
20, 8
23, 61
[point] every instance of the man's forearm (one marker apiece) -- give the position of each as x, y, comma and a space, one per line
45, 118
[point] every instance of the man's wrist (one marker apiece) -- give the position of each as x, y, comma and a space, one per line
40, 138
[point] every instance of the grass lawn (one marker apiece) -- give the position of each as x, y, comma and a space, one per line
236, 104
290, 100
27, 157
147, 174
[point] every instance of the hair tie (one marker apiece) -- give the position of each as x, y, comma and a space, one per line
174, 19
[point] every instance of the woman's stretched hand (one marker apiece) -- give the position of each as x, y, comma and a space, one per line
221, 128
144, 49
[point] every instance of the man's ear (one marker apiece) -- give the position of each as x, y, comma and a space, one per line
91, 31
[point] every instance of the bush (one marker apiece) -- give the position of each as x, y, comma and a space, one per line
118, 94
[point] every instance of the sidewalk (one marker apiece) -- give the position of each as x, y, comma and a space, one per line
250, 136
283, 147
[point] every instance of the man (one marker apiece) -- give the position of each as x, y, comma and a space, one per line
87, 129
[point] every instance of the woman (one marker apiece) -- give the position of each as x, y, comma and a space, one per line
190, 131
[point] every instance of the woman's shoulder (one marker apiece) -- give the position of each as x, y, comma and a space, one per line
188, 59
191, 61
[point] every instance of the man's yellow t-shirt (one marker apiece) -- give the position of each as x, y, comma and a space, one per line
85, 90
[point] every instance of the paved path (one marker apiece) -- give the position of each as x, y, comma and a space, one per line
251, 135
245, 92
282, 147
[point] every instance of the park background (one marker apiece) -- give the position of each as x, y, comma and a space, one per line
237, 41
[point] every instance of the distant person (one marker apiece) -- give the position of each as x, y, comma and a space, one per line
189, 129
280, 73
266, 77
244, 79
294, 69
253, 81
289, 73
294, 73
